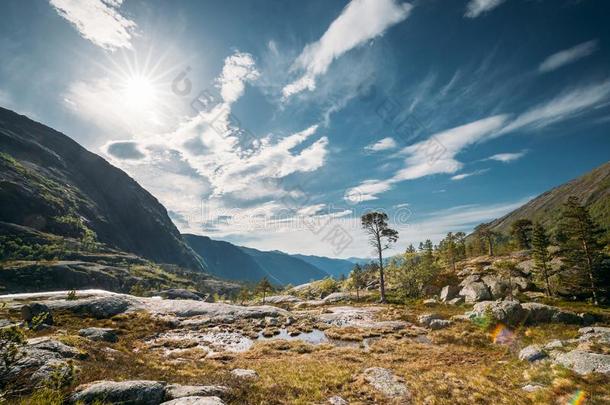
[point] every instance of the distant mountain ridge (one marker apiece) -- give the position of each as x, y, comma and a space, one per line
592, 188
223, 259
334, 267
50, 183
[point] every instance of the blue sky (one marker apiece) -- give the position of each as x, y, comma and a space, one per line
275, 124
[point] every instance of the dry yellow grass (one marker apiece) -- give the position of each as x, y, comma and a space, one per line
461, 366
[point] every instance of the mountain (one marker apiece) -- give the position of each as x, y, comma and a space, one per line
592, 188
283, 268
334, 267
225, 260
49, 183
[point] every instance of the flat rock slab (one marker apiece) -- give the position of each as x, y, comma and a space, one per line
244, 373
384, 381
359, 317
123, 392
282, 299
175, 391
195, 401
209, 340
584, 362
104, 304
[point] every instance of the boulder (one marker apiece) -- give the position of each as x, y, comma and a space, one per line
384, 381
36, 312
55, 346
449, 292
244, 373
584, 362
436, 324
541, 313
456, 301
532, 353
337, 400
40, 359
337, 297
473, 278
507, 312
195, 401
475, 292
498, 287
526, 266
521, 283
137, 392
100, 307
99, 334
175, 391
179, 294
426, 319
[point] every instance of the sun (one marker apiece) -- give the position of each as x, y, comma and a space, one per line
140, 91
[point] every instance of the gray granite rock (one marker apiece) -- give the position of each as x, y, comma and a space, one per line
174, 391
384, 381
99, 334
532, 353
194, 400
137, 392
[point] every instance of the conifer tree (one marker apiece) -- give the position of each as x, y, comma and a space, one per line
580, 243
263, 286
521, 230
540, 253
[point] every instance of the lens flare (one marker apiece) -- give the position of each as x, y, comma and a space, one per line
502, 335
578, 398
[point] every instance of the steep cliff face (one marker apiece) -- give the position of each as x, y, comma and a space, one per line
50, 183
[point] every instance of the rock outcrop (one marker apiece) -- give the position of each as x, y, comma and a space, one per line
124, 392
384, 381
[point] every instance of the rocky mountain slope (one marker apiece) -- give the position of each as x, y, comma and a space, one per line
50, 183
593, 189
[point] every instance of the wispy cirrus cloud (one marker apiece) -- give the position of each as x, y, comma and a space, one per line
359, 22
462, 176
507, 157
438, 154
381, 145
567, 56
99, 21
475, 8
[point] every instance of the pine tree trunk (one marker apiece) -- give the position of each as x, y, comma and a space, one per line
590, 271
381, 278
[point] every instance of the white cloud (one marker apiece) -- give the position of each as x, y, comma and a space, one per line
462, 176
475, 8
435, 155
507, 157
99, 21
238, 69
560, 108
240, 176
567, 56
382, 144
360, 21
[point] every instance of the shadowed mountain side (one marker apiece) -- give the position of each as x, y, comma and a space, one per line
50, 183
